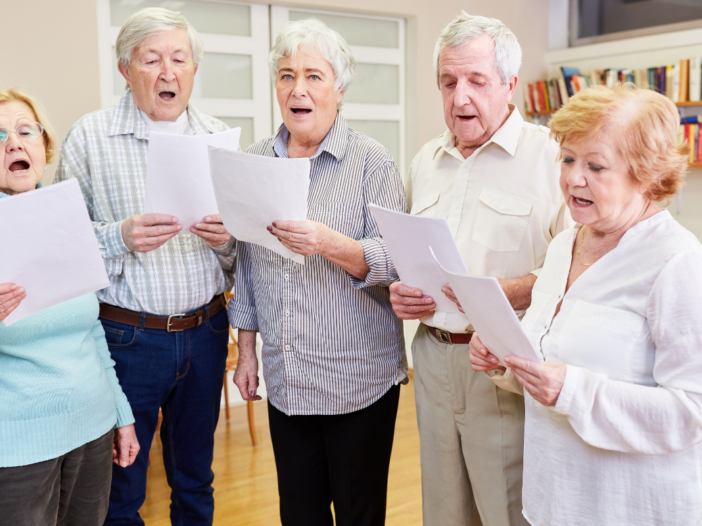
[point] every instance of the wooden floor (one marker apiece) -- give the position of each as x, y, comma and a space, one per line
246, 490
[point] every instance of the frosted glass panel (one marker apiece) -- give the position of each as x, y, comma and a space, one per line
224, 76
375, 84
386, 133
356, 30
246, 125
206, 17
119, 85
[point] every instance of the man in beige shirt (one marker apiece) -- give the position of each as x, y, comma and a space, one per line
494, 178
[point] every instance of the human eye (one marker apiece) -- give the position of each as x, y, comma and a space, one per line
595, 168
315, 77
26, 130
286, 76
568, 160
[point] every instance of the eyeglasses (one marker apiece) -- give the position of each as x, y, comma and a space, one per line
25, 132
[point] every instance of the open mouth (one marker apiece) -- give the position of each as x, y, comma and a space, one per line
167, 95
581, 202
466, 117
301, 111
19, 166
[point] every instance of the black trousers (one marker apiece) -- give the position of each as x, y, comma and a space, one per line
71, 490
340, 459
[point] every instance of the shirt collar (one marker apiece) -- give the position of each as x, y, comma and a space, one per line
127, 120
39, 185
334, 143
506, 136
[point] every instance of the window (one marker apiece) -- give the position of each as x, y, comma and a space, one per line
375, 101
232, 82
598, 20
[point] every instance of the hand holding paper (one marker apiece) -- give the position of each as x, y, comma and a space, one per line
491, 315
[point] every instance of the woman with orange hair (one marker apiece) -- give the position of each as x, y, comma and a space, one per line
614, 411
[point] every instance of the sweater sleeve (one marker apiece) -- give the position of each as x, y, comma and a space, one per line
632, 418
124, 410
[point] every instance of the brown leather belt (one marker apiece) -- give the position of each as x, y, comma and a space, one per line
172, 323
450, 337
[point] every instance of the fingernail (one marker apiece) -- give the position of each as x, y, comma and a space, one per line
174, 219
21, 290
508, 359
493, 359
275, 224
13, 287
179, 227
270, 229
252, 393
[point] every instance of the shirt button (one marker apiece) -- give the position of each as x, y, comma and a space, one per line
287, 313
287, 347
287, 276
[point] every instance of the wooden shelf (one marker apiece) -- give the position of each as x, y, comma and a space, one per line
688, 104
695, 165
540, 113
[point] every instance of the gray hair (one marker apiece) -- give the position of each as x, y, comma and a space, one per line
313, 33
464, 28
149, 22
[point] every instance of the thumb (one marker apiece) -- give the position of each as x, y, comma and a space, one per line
123, 452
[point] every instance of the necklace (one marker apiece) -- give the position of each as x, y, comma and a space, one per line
582, 241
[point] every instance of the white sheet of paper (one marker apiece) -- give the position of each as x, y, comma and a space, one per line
490, 313
49, 247
253, 191
178, 176
409, 239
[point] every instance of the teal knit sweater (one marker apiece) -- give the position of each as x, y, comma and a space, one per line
58, 387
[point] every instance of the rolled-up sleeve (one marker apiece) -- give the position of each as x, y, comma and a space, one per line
382, 187
242, 308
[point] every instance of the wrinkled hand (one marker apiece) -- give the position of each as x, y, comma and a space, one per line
246, 377
446, 289
543, 381
125, 447
10, 297
149, 231
302, 237
480, 358
212, 231
410, 303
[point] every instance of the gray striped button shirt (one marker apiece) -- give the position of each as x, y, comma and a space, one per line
106, 151
331, 342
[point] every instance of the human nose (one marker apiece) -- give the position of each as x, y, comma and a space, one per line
13, 142
462, 95
299, 87
167, 71
576, 175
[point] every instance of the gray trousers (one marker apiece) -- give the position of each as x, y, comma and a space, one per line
471, 439
71, 490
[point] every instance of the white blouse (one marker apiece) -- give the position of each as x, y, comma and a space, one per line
622, 445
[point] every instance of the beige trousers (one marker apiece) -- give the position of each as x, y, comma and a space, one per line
471, 439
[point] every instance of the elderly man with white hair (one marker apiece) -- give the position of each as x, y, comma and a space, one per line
163, 313
494, 178
333, 352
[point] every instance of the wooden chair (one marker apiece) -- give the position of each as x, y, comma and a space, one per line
232, 361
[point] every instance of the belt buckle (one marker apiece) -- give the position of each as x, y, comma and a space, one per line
443, 336
168, 323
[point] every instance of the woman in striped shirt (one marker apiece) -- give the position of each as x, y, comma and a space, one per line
333, 351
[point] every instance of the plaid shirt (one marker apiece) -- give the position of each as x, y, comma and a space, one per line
106, 151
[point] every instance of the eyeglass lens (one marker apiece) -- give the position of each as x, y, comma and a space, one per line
25, 132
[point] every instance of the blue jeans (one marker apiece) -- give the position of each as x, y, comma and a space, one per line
181, 373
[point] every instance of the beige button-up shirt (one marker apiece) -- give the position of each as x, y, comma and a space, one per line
503, 203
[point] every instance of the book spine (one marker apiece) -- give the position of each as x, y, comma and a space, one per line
695, 79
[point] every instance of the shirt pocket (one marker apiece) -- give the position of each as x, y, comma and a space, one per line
424, 203
501, 220
601, 339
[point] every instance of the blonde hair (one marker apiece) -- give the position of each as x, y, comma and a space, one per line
646, 125
17, 94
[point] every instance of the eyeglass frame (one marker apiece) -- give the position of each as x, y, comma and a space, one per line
41, 132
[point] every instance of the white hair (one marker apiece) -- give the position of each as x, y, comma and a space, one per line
314, 34
464, 28
149, 22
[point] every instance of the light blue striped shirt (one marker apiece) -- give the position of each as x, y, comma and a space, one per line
106, 151
331, 342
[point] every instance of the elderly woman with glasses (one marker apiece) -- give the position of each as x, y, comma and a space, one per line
333, 352
613, 430
59, 396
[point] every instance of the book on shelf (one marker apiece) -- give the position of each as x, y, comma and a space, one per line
690, 134
681, 82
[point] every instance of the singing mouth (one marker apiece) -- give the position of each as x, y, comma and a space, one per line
19, 166
581, 202
167, 95
301, 111
466, 117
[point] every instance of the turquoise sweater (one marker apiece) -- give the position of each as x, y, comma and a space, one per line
58, 387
